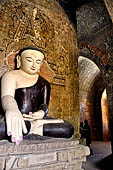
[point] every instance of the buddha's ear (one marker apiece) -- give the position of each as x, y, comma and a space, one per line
18, 58
46, 72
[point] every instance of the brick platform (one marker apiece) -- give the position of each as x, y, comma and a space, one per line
51, 154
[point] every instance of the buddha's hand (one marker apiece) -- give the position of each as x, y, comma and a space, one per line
34, 115
15, 125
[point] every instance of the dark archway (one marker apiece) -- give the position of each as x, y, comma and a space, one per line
91, 87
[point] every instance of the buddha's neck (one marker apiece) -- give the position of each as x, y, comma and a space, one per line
26, 75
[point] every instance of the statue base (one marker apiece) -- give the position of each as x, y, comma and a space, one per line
49, 154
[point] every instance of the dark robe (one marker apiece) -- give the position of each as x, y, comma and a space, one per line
34, 98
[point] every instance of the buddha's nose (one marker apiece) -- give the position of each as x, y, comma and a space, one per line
34, 64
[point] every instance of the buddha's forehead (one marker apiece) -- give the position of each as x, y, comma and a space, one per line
32, 53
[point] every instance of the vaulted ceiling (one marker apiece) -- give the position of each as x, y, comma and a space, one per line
91, 21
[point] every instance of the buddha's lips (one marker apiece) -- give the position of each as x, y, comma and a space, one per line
32, 68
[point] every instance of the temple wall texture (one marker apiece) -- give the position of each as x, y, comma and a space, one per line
43, 155
44, 24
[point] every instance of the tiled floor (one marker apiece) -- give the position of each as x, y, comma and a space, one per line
101, 158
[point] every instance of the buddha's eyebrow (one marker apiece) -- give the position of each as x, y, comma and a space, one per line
29, 58
32, 58
38, 60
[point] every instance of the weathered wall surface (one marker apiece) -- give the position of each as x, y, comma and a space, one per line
44, 24
93, 24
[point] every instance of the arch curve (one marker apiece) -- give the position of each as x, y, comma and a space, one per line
91, 87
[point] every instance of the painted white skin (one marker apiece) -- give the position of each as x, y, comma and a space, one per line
29, 63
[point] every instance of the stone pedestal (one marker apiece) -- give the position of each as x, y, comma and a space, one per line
51, 154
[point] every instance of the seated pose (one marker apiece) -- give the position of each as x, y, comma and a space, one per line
25, 98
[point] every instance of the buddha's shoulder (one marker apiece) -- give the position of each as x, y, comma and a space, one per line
9, 74
12, 72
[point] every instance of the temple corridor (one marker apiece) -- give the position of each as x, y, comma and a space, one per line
93, 99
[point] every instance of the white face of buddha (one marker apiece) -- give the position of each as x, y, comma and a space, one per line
31, 61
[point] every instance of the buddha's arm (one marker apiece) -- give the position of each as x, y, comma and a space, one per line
14, 120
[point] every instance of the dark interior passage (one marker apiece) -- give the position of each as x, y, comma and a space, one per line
92, 99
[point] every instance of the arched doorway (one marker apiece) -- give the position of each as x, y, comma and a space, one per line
91, 87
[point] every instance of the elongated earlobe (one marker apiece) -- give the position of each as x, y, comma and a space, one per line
18, 58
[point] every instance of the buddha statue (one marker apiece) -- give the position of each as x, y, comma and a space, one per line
25, 95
